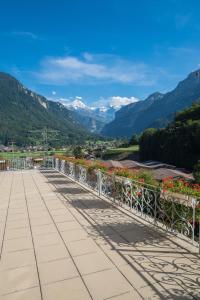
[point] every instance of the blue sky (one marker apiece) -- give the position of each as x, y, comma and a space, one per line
99, 49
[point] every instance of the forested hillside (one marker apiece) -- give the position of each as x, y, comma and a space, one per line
156, 111
23, 114
178, 144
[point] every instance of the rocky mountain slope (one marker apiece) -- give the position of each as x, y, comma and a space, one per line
156, 111
23, 112
95, 118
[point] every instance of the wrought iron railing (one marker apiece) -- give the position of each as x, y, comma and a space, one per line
25, 163
16, 163
175, 213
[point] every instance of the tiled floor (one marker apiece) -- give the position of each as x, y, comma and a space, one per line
59, 241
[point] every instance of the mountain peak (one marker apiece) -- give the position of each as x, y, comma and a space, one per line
155, 96
24, 111
7, 76
195, 74
77, 103
156, 110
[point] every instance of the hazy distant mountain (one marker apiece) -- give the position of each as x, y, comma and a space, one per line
95, 118
23, 111
156, 111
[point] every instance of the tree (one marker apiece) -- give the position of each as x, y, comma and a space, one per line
78, 153
196, 172
177, 144
134, 140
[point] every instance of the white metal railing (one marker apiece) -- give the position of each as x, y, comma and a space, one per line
24, 163
178, 215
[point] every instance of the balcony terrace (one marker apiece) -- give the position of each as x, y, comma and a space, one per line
60, 240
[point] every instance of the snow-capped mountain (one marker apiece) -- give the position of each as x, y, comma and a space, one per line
95, 117
75, 104
113, 103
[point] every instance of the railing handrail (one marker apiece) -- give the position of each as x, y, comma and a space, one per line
162, 210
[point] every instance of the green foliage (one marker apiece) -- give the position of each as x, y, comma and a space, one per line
196, 172
156, 111
24, 114
178, 144
134, 140
78, 153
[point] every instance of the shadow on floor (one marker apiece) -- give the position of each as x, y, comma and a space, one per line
164, 269
91, 203
46, 171
59, 182
73, 191
56, 175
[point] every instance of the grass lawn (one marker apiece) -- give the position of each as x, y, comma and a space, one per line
121, 153
130, 149
8, 155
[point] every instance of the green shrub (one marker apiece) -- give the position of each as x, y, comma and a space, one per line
78, 153
196, 172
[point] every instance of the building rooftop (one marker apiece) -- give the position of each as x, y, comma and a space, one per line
158, 169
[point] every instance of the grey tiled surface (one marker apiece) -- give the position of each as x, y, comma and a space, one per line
60, 241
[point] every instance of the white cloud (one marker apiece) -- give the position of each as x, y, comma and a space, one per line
104, 103
88, 56
94, 69
117, 101
53, 92
25, 34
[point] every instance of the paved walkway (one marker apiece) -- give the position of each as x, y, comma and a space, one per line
59, 241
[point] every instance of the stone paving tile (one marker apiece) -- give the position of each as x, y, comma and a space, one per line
63, 218
47, 240
12, 260
18, 224
74, 235
17, 217
127, 296
57, 270
17, 244
51, 252
106, 284
18, 279
29, 294
93, 262
81, 247
41, 221
44, 229
17, 233
70, 225
72, 289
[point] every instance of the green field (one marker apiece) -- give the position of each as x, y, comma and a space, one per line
121, 153
122, 150
8, 155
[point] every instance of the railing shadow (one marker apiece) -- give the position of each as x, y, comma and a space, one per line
166, 269
71, 190
162, 264
56, 175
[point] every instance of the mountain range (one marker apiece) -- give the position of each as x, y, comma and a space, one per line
94, 118
156, 111
24, 114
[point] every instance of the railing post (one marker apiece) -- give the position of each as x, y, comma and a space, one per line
193, 217
155, 207
99, 182
114, 184
199, 237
